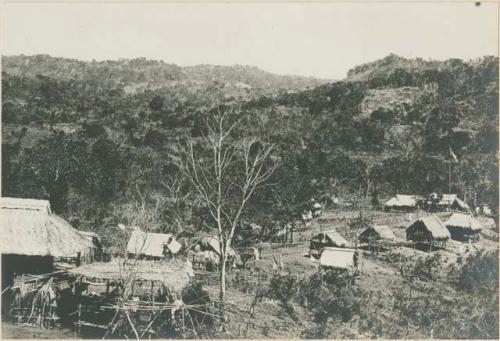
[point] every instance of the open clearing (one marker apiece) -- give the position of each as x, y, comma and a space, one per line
380, 273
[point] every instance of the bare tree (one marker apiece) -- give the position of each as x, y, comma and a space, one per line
176, 200
225, 171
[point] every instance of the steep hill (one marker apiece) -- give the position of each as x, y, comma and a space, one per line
374, 98
388, 127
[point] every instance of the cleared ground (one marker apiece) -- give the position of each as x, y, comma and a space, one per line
380, 273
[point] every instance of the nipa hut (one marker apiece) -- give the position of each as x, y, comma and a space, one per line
429, 231
487, 222
401, 202
205, 253
154, 246
32, 236
375, 235
463, 227
136, 288
326, 239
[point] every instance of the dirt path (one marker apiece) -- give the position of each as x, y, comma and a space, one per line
14, 331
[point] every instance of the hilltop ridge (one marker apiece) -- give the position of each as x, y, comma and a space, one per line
139, 70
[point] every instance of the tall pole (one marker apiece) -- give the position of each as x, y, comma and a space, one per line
449, 177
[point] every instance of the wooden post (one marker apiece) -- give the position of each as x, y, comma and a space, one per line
79, 318
19, 308
152, 291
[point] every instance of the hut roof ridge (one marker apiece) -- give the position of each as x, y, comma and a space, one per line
434, 225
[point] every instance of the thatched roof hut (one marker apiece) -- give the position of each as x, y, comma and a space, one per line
326, 239
139, 291
487, 222
429, 230
463, 226
330, 238
205, 253
377, 232
29, 228
209, 243
401, 202
465, 221
152, 244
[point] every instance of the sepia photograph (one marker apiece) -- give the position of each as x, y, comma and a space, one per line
214, 170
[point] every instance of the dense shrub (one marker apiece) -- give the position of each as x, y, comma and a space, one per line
479, 273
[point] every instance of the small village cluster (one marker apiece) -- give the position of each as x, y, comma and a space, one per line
53, 273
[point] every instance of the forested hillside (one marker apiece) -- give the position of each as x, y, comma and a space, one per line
92, 136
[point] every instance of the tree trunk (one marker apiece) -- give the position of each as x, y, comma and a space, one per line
222, 288
224, 246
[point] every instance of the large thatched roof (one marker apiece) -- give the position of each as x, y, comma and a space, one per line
433, 225
29, 228
401, 200
174, 274
152, 244
464, 221
381, 231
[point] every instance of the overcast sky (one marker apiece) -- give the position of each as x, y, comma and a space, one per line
321, 40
